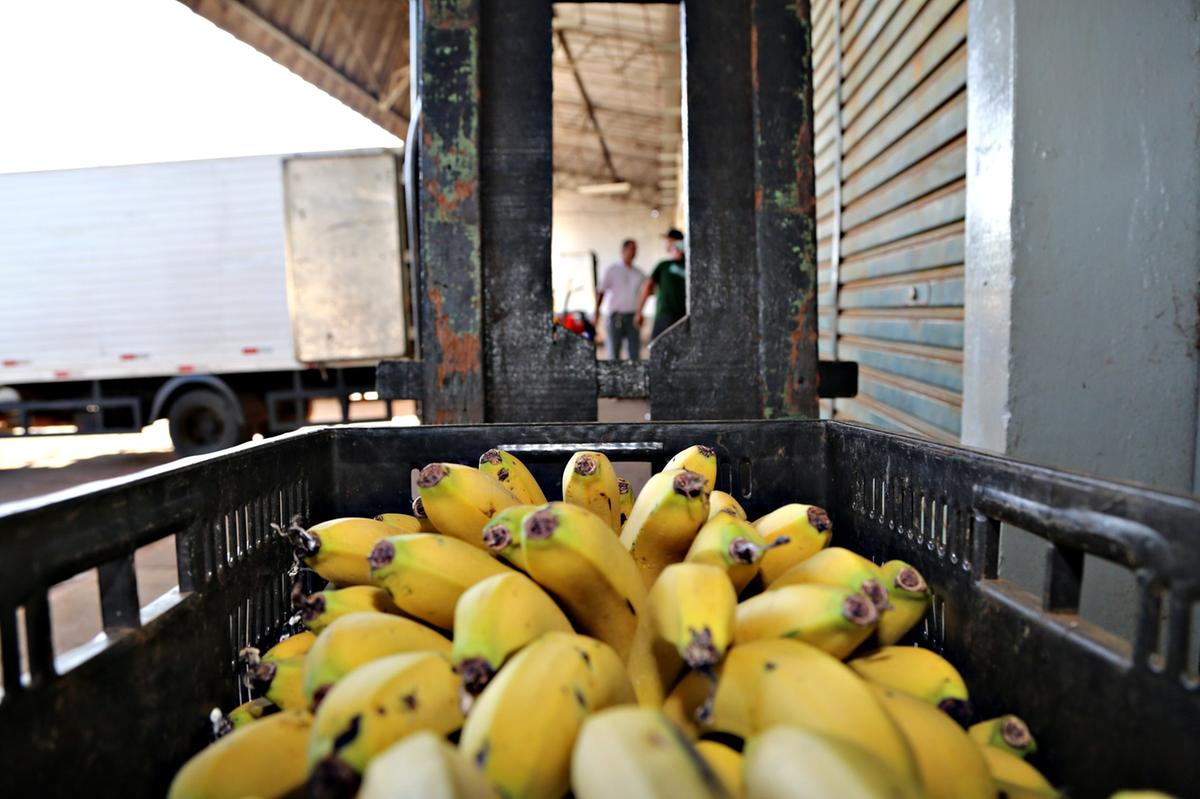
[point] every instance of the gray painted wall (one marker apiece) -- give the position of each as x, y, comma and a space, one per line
1083, 243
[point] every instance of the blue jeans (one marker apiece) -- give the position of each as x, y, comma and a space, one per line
622, 329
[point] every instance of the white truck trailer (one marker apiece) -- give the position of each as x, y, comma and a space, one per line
224, 295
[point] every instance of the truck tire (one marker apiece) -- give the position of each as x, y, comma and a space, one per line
203, 421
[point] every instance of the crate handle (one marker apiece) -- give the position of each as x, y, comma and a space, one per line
621, 448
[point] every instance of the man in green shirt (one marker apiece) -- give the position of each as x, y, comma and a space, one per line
668, 282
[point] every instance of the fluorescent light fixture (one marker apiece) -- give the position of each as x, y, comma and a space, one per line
605, 188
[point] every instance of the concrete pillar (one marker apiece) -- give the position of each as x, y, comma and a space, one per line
1083, 237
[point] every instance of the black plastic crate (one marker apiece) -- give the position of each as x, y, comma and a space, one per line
121, 714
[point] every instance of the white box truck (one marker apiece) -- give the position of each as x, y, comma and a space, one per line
224, 295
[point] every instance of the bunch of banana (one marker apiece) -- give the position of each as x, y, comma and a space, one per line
261, 759
522, 728
459, 500
513, 475
732, 544
359, 638
720, 502
403, 522
426, 573
423, 766
240, 716
573, 555
502, 535
337, 549
1014, 777
1009, 733
494, 619
374, 706
693, 607
591, 482
322, 608
920, 673
633, 751
834, 619
807, 529
625, 490
840, 567
699, 459
909, 598
665, 518
279, 674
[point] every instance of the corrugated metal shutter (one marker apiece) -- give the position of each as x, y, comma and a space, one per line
890, 80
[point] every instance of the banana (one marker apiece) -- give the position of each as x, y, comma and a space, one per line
625, 490
697, 458
726, 762
834, 619
791, 761
418, 511
1009, 733
373, 707
720, 502
590, 481
523, 726
638, 752
403, 522
320, 609
494, 619
502, 535
358, 638
459, 500
572, 554
778, 681
693, 606
808, 530
422, 766
1014, 777
919, 673
734, 545
279, 674
909, 596
240, 716
337, 549
513, 475
261, 759
426, 573
841, 567
665, 518
950, 764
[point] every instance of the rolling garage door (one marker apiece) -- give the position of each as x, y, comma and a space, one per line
890, 84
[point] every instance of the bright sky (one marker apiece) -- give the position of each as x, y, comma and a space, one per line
95, 82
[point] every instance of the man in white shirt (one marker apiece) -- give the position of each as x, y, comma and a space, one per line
621, 285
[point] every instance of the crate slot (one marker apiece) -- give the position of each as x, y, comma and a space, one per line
1022, 559
75, 612
157, 568
1191, 670
1109, 597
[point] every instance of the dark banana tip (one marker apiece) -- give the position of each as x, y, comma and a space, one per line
706, 451
540, 524
819, 519
909, 579
624, 486
312, 608
418, 508
297, 595
332, 778
957, 709
382, 554
701, 653
497, 537
742, 550
1014, 732
876, 593
857, 609
431, 475
689, 484
261, 674
586, 465
492, 456
475, 674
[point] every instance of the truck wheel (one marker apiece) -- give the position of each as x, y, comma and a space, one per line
202, 421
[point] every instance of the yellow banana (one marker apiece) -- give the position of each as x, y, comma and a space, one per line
792, 761
502, 535
951, 765
245, 713
666, 517
732, 544
778, 681
808, 530
279, 674
726, 762
697, 458
360, 638
1009, 733
638, 752
919, 673
320, 609
513, 475
403, 522
1014, 777
833, 619
909, 597
841, 567
422, 766
720, 502
494, 619
337, 549
426, 573
572, 554
521, 729
291, 646
261, 759
418, 511
373, 707
459, 500
693, 607
590, 481
625, 490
